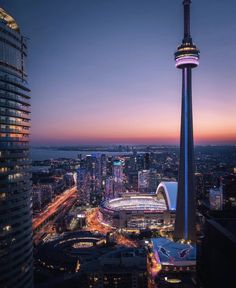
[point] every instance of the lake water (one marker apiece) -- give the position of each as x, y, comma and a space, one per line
45, 154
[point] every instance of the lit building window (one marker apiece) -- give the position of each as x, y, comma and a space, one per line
2, 196
7, 228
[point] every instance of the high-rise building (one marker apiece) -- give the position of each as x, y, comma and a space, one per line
103, 165
132, 184
103, 171
15, 185
109, 188
118, 177
147, 181
117, 170
83, 186
147, 160
187, 58
216, 259
92, 166
229, 192
143, 181
216, 199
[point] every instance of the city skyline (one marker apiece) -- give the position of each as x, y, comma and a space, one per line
114, 86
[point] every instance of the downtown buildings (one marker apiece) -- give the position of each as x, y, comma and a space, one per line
15, 185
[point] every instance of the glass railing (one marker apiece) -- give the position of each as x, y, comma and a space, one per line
14, 105
14, 145
15, 114
14, 80
15, 89
12, 122
14, 138
22, 99
16, 155
9, 130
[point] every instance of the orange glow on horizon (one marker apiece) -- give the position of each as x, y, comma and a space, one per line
165, 130
214, 138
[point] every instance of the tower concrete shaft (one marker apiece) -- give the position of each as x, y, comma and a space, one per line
187, 58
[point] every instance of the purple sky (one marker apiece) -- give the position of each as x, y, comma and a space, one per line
102, 71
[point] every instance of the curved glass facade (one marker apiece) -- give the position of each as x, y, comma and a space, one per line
15, 184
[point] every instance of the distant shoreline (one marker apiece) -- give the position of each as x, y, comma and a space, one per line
52, 152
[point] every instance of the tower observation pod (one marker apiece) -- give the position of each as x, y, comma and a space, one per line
187, 58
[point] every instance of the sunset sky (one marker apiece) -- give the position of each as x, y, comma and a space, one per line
103, 71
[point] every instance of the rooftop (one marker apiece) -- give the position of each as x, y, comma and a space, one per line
10, 21
173, 253
135, 202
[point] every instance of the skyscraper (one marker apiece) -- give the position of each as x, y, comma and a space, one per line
83, 186
109, 188
147, 181
15, 185
118, 177
103, 165
187, 58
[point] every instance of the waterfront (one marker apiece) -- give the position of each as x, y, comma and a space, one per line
40, 154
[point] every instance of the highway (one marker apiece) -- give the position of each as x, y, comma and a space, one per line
52, 208
93, 224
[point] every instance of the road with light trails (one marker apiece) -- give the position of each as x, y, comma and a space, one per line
93, 224
52, 208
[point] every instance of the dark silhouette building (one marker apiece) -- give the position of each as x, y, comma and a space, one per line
15, 185
187, 58
217, 253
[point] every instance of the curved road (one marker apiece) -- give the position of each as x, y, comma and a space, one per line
53, 207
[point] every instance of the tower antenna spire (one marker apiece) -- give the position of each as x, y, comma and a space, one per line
187, 36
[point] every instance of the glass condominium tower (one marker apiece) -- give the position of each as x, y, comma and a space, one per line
15, 184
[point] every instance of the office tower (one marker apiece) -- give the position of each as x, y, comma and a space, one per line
147, 160
117, 170
83, 186
15, 185
139, 162
109, 188
187, 58
216, 199
93, 167
103, 165
147, 181
216, 260
153, 180
42, 194
90, 164
118, 178
229, 192
209, 180
143, 177
132, 184
70, 179
199, 185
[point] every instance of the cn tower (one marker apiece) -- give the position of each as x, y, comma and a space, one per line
187, 58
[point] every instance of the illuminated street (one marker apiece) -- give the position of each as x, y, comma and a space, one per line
53, 207
93, 224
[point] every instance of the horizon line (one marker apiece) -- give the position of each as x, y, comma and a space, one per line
44, 145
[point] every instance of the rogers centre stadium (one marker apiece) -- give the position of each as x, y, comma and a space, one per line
141, 211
